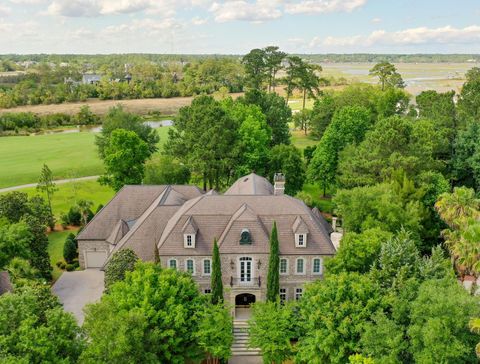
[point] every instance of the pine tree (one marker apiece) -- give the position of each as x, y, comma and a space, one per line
46, 184
216, 279
273, 278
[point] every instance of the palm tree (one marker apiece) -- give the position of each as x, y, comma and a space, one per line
84, 206
457, 207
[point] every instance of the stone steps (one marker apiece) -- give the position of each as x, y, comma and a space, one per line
240, 340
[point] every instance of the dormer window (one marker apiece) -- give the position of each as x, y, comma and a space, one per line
300, 240
245, 237
189, 240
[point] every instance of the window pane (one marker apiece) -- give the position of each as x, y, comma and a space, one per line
298, 293
190, 266
316, 265
299, 265
283, 294
206, 266
173, 263
283, 266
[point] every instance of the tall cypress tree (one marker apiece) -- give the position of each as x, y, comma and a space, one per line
273, 279
216, 278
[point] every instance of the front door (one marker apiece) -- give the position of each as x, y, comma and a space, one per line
245, 270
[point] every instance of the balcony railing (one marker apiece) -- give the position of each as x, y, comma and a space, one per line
254, 281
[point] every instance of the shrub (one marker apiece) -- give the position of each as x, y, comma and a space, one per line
122, 261
62, 265
70, 248
59, 263
70, 267
72, 217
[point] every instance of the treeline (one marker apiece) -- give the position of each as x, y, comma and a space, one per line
50, 84
24, 123
394, 58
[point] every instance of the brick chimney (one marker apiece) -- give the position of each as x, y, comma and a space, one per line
279, 186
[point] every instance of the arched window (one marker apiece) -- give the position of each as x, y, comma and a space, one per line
245, 237
190, 266
283, 266
172, 263
300, 266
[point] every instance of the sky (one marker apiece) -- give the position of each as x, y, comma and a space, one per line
236, 26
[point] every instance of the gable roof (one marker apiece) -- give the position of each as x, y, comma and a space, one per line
190, 227
118, 232
251, 184
299, 226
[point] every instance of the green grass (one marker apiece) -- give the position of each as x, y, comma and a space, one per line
301, 141
67, 155
69, 193
297, 104
55, 250
324, 204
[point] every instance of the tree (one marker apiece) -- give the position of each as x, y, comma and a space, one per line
321, 115
287, 159
38, 246
124, 159
303, 76
273, 61
255, 68
273, 278
166, 170
203, 138
303, 120
393, 143
84, 206
276, 110
215, 332
387, 75
348, 126
272, 329
466, 158
117, 118
216, 277
379, 206
86, 117
14, 205
358, 251
15, 241
439, 317
254, 136
34, 328
469, 100
332, 315
70, 248
46, 185
122, 261
439, 107
150, 316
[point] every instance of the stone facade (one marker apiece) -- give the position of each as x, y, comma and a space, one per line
91, 245
290, 281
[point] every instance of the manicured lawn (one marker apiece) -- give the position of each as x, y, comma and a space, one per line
324, 204
67, 155
301, 141
55, 250
69, 193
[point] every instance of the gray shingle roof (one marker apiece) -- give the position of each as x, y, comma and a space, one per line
251, 185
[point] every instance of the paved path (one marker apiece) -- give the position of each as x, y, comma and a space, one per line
76, 289
58, 182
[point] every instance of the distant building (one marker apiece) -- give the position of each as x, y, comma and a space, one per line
180, 223
90, 79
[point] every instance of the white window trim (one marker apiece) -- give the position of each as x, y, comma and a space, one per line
321, 266
176, 263
203, 267
194, 267
279, 265
185, 238
252, 273
295, 293
286, 293
304, 266
297, 240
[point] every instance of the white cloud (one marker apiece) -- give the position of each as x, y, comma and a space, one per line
258, 11
90, 8
323, 6
5, 10
199, 21
376, 20
412, 36
28, 2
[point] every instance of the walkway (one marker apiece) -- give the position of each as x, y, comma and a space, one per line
58, 182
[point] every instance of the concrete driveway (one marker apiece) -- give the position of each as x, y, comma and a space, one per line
76, 289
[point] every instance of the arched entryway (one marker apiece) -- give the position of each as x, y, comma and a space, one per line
244, 299
243, 302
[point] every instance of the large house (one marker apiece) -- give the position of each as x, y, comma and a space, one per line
181, 224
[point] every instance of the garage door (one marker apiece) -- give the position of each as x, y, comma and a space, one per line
95, 259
